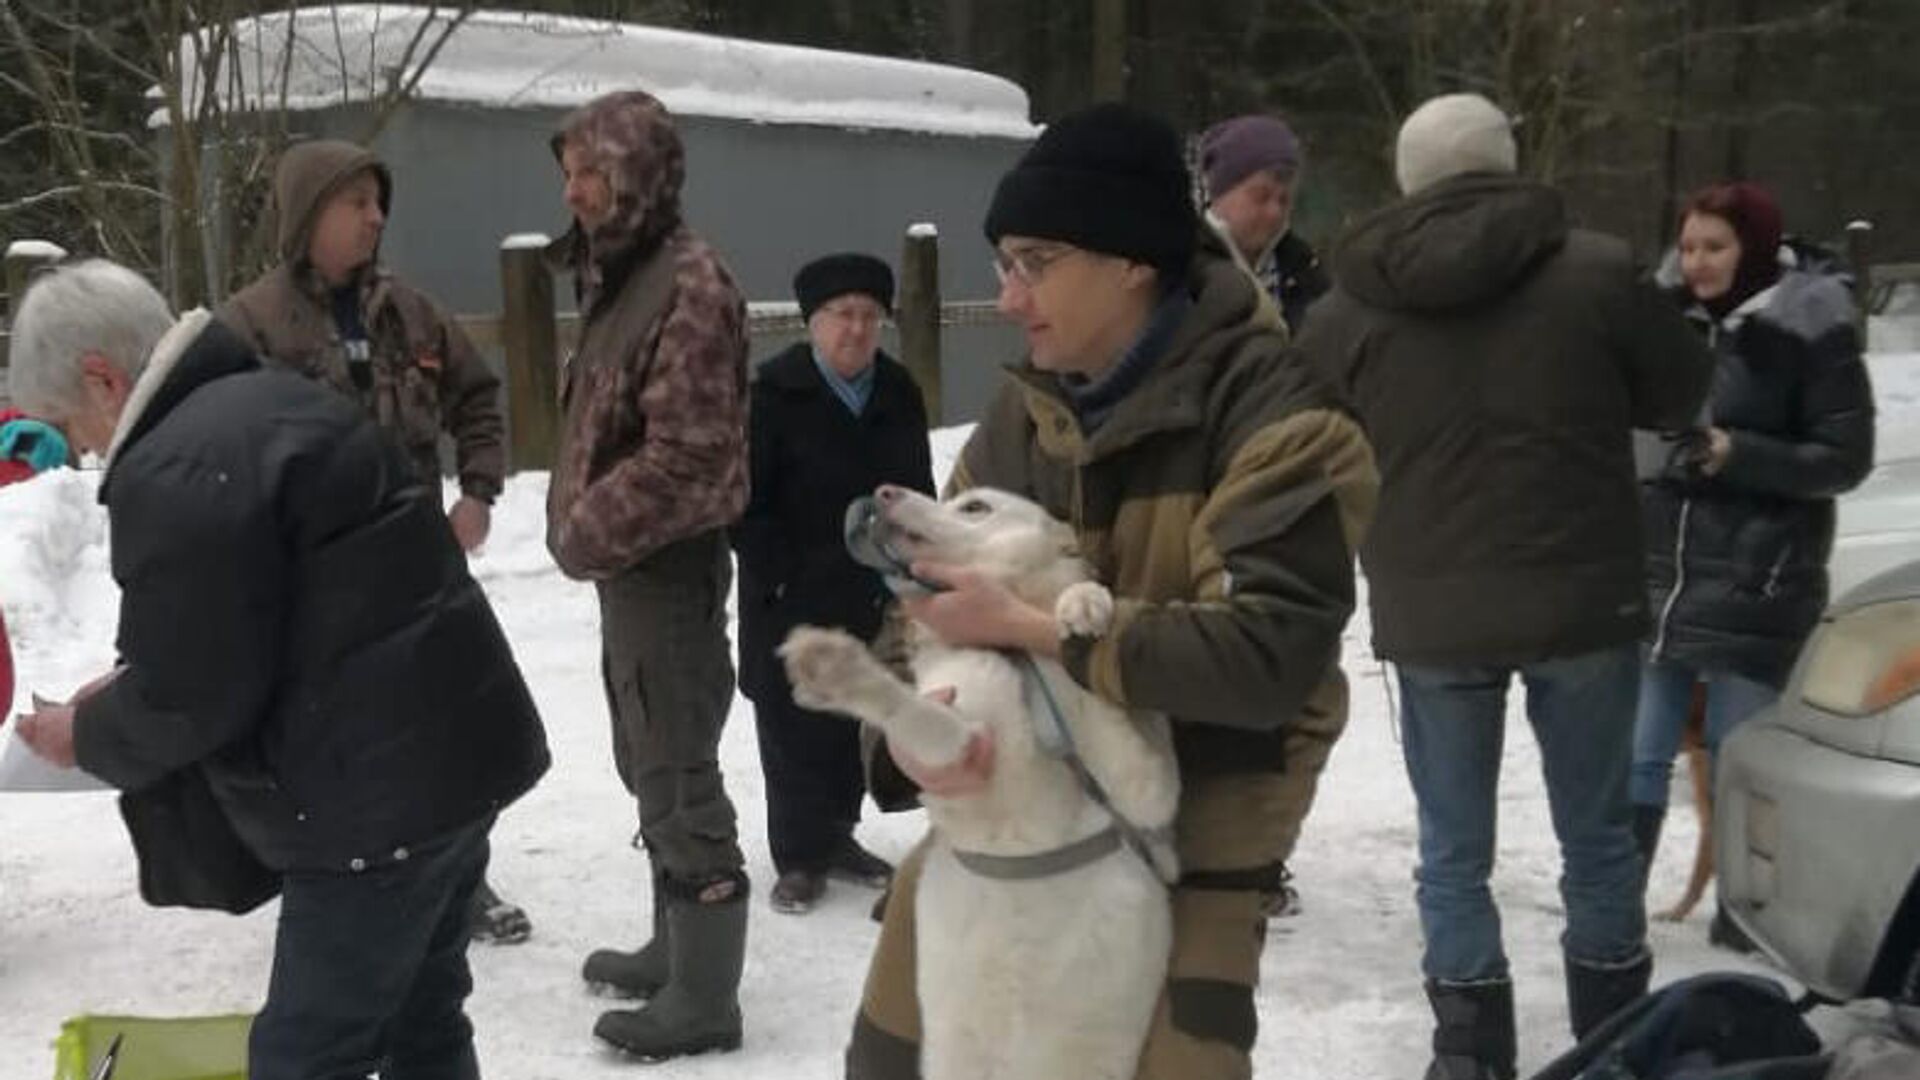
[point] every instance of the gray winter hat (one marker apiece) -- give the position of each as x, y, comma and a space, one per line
1452, 135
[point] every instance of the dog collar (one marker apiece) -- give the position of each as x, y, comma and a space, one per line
1044, 864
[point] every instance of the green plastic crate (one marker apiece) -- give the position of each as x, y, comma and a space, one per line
154, 1048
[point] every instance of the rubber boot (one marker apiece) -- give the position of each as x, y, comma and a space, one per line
640, 973
1597, 991
1647, 822
698, 1010
1473, 1030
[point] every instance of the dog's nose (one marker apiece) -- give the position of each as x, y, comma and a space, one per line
887, 493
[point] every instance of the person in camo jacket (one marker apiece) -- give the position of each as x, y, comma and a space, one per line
330, 311
650, 471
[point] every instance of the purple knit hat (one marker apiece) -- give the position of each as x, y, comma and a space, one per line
1235, 149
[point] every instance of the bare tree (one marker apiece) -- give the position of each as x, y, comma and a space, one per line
185, 195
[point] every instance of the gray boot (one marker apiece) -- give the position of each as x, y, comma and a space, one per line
1473, 1036
1597, 991
640, 973
698, 1010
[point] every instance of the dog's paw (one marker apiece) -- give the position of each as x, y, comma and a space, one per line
825, 666
1085, 609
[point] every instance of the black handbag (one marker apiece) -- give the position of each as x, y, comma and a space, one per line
190, 855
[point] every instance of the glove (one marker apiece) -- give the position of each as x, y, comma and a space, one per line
35, 442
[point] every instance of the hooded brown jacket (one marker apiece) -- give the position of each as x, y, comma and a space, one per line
653, 445
426, 376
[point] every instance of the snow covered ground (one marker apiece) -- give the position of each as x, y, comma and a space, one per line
1340, 997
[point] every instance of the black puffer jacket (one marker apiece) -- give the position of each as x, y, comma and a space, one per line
1737, 563
811, 457
1498, 360
296, 616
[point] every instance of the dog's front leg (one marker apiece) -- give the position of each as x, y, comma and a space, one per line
831, 670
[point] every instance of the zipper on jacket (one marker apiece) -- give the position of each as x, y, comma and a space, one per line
1772, 586
1679, 579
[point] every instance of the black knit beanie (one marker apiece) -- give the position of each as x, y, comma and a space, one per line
837, 275
1110, 179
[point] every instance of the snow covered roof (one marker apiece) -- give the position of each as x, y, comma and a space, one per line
346, 53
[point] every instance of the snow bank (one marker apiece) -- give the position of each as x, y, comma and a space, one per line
524, 60
55, 587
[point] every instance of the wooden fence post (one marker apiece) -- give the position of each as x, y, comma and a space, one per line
1860, 259
530, 338
918, 314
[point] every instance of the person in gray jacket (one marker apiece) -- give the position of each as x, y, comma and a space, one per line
1499, 361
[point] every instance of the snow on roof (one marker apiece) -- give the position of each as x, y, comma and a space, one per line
39, 249
346, 53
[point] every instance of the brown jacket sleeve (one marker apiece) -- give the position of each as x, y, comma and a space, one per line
470, 411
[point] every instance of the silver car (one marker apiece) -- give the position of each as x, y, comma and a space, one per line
1817, 826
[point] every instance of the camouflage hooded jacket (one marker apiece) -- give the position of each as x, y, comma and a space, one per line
653, 445
426, 376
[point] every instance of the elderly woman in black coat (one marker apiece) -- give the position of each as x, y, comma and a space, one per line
831, 418
1739, 515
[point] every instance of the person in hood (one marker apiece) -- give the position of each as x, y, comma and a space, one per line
831, 419
298, 625
1500, 360
329, 310
1739, 507
1251, 168
1219, 488
650, 470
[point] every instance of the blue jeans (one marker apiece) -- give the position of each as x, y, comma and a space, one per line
1666, 695
1453, 721
370, 970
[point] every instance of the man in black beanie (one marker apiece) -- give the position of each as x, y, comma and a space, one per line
1219, 490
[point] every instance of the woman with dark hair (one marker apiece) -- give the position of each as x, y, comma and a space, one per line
1739, 513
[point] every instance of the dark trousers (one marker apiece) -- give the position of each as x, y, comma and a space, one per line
814, 782
668, 670
370, 970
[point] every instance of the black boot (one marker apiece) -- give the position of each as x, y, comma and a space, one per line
1724, 933
698, 1010
492, 919
1597, 991
1472, 1030
1647, 821
640, 973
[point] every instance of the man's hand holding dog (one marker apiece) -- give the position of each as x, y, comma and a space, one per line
976, 612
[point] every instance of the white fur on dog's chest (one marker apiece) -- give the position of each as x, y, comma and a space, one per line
1038, 979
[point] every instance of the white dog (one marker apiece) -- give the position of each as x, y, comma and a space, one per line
1042, 935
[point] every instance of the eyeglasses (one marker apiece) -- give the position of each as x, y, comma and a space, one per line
1028, 265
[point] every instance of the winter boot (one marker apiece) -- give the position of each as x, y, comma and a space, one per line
640, 973
1724, 933
1473, 1030
1597, 991
1647, 821
494, 920
698, 1010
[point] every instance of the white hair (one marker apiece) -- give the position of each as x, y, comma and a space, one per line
88, 308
